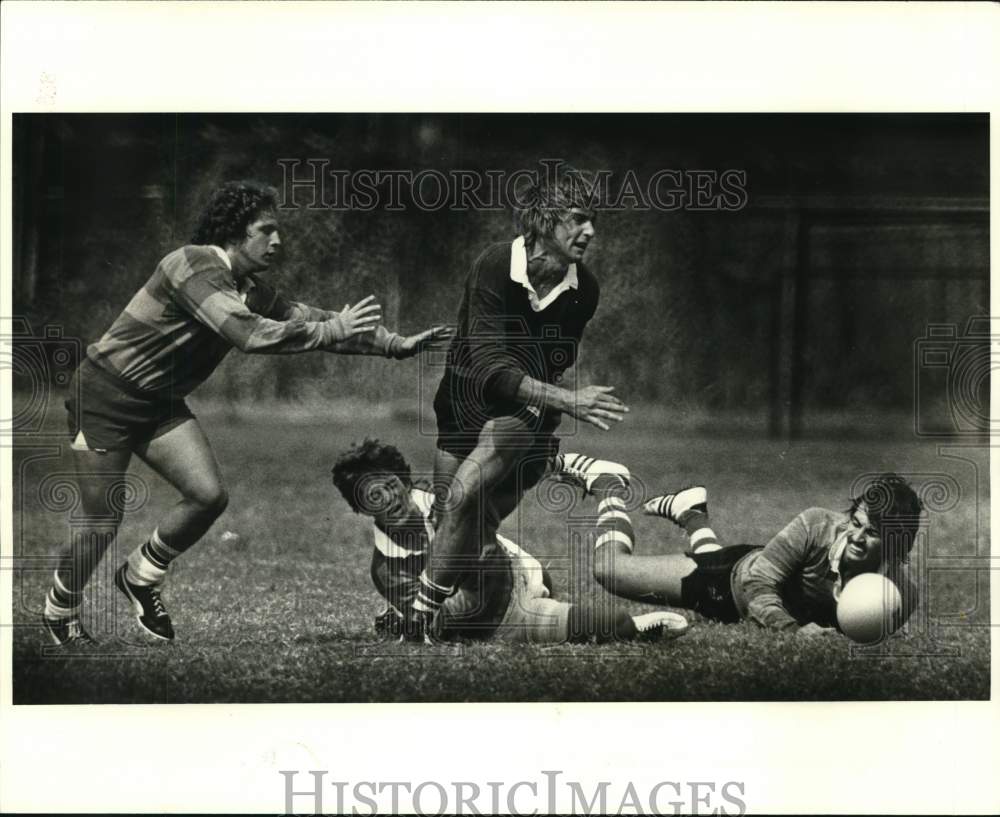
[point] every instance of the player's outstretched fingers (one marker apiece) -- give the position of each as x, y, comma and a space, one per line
591, 418
609, 401
614, 416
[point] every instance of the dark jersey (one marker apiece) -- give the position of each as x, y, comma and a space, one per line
505, 333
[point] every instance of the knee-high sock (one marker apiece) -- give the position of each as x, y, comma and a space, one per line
148, 563
614, 527
77, 564
701, 536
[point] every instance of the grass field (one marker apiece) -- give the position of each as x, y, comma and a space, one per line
282, 611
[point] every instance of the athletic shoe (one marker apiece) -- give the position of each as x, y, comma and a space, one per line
582, 470
389, 623
419, 627
660, 624
675, 506
67, 631
149, 610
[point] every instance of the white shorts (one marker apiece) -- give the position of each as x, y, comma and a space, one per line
532, 617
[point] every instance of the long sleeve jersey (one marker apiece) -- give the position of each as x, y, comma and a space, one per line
505, 333
178, 328
795, 578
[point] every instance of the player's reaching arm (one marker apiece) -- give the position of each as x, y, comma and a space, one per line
360, 328
780, 559
592, 404
501, 374
267, 324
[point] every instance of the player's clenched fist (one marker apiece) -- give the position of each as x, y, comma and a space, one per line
597, 406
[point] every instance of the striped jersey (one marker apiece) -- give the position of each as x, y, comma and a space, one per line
178, 328
795, 578
475, 608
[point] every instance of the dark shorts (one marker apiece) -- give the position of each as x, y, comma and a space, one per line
708, 590
530, 434
113, 415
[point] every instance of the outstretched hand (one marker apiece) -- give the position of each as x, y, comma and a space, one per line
429, 338
363, 317
597, 406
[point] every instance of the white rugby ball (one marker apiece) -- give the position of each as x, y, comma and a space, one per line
870, 608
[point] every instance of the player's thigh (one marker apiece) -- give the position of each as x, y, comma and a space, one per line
505, 499
446, 465
479, 474
101, 480
659, 579
183, 456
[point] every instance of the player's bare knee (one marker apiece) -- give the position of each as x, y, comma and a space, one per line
604, 563
211, 500
602, 569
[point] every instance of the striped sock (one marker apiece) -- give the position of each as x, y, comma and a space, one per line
148, 563
590, 469
614, 527
701, 536
61, 602
431, 595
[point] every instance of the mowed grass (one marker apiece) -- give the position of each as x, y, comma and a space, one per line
282, 611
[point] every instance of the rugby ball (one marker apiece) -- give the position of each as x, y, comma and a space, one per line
869, 609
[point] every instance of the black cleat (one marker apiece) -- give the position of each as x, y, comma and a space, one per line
149, 610
67, 631
419, 627
389, 623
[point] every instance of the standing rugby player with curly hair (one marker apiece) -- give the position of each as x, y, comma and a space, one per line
128, 395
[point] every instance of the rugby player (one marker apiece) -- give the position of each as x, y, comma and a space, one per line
504, 594
792, 583
523, 312
128, 394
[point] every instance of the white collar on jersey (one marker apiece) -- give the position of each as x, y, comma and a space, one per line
388, 548
519, 275
835, 555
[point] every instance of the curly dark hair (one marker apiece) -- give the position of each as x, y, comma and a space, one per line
542, 201
231, 209
894, 509
360, 461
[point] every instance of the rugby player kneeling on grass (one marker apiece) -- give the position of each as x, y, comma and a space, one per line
503, 594
792, 583
127, 396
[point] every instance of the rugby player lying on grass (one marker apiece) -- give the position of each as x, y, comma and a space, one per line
503, 593
128, 395
792, 583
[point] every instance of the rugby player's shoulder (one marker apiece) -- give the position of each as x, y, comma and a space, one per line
494, 261
193, 259
822, 516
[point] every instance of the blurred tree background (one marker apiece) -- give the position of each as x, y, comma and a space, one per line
859, 231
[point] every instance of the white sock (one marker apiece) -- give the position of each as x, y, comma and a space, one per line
142, 571
704, 540
55, 610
